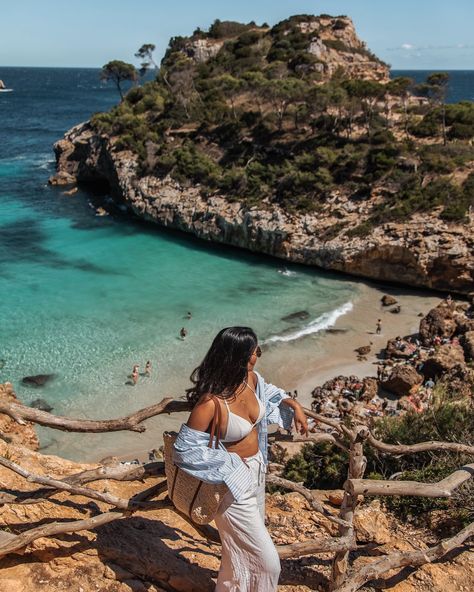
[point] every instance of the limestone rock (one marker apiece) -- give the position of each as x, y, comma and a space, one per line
371, 524
445, 359
388, 300
397, 349
13, 432
37, 379
402, 379
439, 322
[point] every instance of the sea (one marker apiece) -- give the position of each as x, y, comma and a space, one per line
84, 298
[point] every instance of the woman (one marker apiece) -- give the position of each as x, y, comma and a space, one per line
226, 377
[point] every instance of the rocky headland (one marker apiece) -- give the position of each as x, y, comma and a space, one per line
290, 141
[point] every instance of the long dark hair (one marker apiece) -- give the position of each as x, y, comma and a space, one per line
224, 367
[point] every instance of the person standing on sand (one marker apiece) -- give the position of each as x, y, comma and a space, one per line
148, 368
378, 328
226, 381
134, 374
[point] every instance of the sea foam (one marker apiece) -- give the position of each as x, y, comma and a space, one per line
320, 323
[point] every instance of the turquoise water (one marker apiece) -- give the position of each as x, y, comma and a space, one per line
85, 297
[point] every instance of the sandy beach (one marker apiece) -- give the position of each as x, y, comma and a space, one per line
309, 361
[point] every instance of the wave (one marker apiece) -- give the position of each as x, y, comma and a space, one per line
322, 322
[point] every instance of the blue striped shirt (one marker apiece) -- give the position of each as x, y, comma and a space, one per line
218, 465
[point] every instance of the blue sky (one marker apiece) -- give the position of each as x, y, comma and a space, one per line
409, 34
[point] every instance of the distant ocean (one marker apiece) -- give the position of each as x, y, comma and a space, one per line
85, 297
461, 82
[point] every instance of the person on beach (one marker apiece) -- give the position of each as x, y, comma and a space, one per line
183, 333
148, 368
226, 380
378, 327
134, 374
189, 315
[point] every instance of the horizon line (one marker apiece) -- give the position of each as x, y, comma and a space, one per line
100, 68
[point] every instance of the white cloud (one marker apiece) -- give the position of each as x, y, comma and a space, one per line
407, 46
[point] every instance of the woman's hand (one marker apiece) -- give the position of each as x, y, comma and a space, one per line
300, 419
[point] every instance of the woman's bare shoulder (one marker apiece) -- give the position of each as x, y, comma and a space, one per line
202, 413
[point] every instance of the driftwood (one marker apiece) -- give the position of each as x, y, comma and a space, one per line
412, 558
106, 498
12, 543
21, 414
443, 488
357, 464
322, 545
116, 472
400, 449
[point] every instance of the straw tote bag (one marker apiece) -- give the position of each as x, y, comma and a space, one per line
191, 496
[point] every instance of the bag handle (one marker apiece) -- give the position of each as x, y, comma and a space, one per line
216, 424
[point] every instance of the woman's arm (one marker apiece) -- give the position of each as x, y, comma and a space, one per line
202, 414
300, 419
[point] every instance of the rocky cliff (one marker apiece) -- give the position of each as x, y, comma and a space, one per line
423, 251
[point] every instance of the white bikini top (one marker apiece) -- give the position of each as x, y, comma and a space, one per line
238, 427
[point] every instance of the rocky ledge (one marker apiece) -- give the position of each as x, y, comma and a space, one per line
423, 251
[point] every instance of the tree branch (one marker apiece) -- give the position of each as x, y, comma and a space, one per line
443, 488
21, 413
117, 472
396, 560
321, 545
106, 498
12, 543
420, 447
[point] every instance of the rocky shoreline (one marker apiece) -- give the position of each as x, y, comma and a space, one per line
423, 251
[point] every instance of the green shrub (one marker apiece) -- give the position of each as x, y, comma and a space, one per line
319, 466
361, 231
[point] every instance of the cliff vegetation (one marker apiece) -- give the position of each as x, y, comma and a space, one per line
293, 115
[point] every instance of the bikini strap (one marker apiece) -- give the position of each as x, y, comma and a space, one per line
216, 425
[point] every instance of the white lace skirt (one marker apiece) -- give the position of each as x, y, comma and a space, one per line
250, 562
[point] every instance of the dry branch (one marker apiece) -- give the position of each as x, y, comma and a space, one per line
321, 545
400, 449
306, 493
356, 469
14, 543
396, 560
117, 472
21, 414
443, 488
106, 498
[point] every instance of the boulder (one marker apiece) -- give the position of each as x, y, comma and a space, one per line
439, 322
396, 309
446, 358
37, 379
468, 344
301, 315
62, 178
41, 404
403, 352
371, 524
388, 300
402, 379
